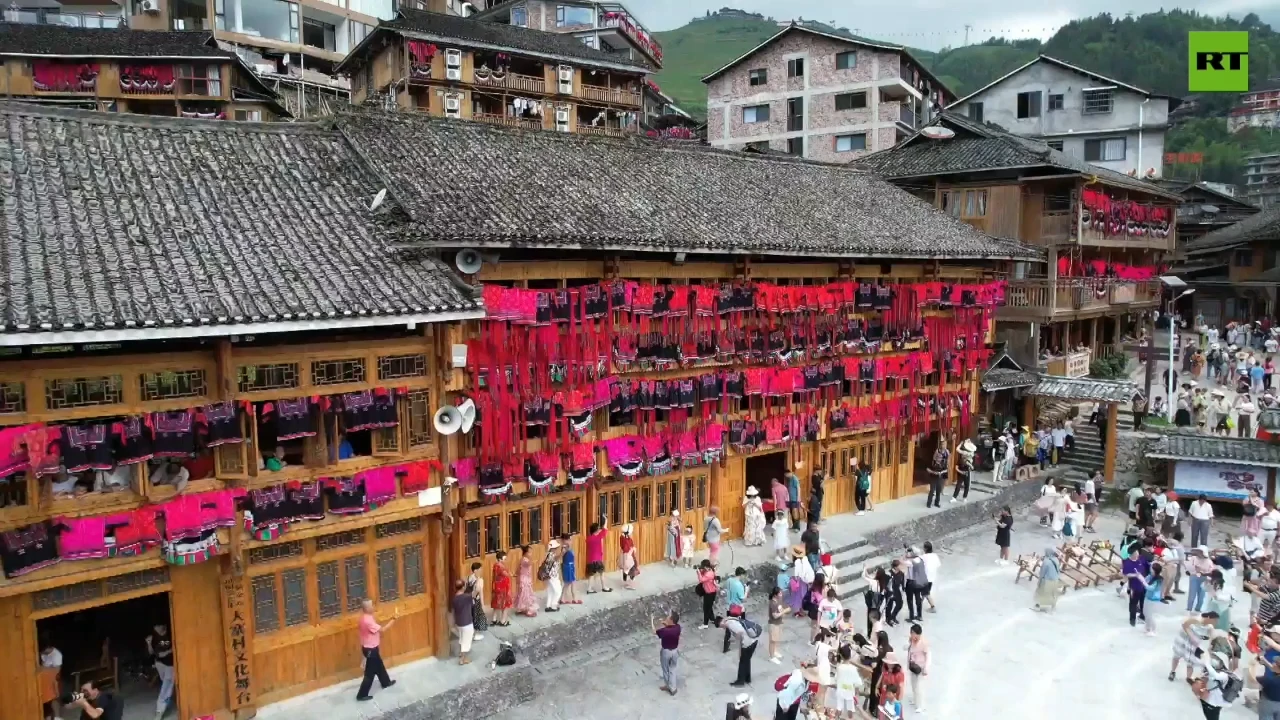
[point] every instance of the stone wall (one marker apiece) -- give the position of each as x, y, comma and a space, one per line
489, 695
1131, 448
957, 517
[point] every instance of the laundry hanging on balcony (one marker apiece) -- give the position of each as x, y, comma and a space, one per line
52, 76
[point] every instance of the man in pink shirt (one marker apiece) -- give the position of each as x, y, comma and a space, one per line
780, 496
370, 638
595, 557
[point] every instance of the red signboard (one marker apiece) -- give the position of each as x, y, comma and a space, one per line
1183, 158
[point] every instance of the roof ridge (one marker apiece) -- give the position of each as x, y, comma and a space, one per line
99, 117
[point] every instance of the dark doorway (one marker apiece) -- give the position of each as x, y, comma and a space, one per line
762, 469
925, 448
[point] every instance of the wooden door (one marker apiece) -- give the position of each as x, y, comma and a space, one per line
531, 521
19, 658
731, 488
200, 660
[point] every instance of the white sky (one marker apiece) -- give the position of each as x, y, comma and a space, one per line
933, 24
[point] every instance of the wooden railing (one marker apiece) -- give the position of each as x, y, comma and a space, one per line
607, 131
616, 96
1078, 294
1056, 225
508, 121
512, 81
1074, 364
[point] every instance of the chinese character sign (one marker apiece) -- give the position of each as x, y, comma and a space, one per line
236, 635
1218, 62
1218, 482
1183, 158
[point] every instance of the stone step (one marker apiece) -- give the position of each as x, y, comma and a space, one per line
853, 558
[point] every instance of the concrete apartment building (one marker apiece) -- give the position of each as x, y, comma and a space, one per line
1262, 179
1088, 116
820, 96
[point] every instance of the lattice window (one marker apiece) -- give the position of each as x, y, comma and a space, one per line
688, 495
414, 583
13, 490
702, 491
327, 591
515, 528
388, 575
230, 459
535, 525
294, 584
399, 527
472, 531
279, 376
337, 540
137, 580
357, 581
391, 367
13, 398
68, 393
386, 440
171, 385
492, 534
419, 418
662, 499
67, 595
266, 612
271, 553
337, 372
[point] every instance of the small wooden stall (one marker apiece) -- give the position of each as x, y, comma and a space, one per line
1222, 469
1110, 393
1003, 384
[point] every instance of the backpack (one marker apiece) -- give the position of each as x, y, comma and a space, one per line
753, 631
1231, 689
864, 481
544, 570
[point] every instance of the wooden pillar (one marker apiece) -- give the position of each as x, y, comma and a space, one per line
1109, 468
199, 650
440, 548
1029, 411
1093, 336
237, 637
19, 659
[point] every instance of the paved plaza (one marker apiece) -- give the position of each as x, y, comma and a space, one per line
993, 656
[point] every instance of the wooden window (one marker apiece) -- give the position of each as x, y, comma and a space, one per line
419, 418
385, 441
398, 527
130, 582
70, 393
230, 459
851, 101
357, 581
575, 516
759, 76
515, 528
388, 574
266, 610
1242, 258
690, 494
975, 111
173, 385
662, 499
492, 534
615, 507
13, 398
471, 529
557, 520
293, 583
673, 495
13, 491
328, 593
414, 581
884, 453
535, 525
277, 376
646, 502
278, 551
965, 203
702, 491
633, 504
333, 541
904, 450
846, 60
203, 80
337, 372
393, 367
66, 595
844, 463
795, 67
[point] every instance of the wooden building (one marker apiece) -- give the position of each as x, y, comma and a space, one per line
160, 306
1106, 234
1234, 270
173, 74
507, 75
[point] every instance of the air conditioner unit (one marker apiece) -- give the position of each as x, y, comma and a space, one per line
562, 116
150, 6
453, 73
453, 58
452, 104
566, 73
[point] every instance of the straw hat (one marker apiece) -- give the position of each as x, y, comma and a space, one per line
553, 544
797, 551
968, 447
752, 491
626, 529
741, 701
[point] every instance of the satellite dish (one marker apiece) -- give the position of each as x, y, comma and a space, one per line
468, 262
1210, 209
937, 132
378, 199
468, 411
447, 420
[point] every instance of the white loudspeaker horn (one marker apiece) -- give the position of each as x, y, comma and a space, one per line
468, 412
468, 261
447, 420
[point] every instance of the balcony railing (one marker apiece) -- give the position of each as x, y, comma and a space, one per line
1066, 296
616, 96
508, 121
512, 81
1056, 225
1074, 364
606, 131
53, 16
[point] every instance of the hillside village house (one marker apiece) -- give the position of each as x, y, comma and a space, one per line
1235, 270
1106, 234
499, 74
1088, 116
131, 71
654, 339
1205, 208
820, 96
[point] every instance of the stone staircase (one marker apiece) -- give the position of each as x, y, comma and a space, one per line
1087, 457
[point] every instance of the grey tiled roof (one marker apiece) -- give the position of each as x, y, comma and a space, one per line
1085, 389
977, 147
1207, 448
61, 40
438, 26
1006, 378
1264, 225
112, 221
472, 184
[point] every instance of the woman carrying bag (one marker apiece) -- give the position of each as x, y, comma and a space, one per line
707, 588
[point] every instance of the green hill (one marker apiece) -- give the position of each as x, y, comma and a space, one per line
689, 53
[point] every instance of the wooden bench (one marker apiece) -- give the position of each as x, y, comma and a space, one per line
1028, 564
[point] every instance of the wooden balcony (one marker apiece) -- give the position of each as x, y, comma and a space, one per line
1074, 364
508, 121
606, 131
1097, 238
1077, 297
511, 81
614, 96
1056, 226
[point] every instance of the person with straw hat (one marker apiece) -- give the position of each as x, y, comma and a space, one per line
753, 518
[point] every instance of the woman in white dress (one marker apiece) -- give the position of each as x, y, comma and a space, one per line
753, 526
